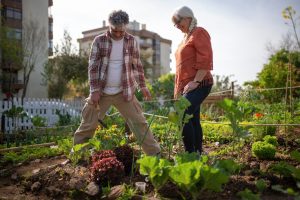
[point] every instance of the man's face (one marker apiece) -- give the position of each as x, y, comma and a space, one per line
117, 32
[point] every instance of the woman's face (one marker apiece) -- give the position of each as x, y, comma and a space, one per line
182, 23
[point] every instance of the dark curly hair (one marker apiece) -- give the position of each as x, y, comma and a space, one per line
118, 17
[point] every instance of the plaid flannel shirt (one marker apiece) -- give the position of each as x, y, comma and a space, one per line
132, 72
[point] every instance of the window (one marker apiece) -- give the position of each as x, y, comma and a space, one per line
15, 34
18, 34
13, 13
50, 27
50, 45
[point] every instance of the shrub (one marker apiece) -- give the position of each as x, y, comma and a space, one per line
107, 170
263, 150
271, 140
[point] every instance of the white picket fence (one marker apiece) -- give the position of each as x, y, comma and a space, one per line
39, 107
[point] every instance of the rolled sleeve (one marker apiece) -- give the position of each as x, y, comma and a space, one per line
204, 54
93, 69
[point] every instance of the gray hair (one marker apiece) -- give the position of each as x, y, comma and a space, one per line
118, 17
185, 11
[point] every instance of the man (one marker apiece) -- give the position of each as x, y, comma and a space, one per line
115, 71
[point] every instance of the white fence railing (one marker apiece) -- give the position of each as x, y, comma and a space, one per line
39, 107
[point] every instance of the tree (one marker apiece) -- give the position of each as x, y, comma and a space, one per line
32, 42
164, 86
66, 70
148, 67
11, 49
274, 75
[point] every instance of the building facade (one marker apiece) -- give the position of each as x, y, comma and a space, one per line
157, 48
29, 22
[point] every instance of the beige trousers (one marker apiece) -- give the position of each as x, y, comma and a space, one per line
130, 110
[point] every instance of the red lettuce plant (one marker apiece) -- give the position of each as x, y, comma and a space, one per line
107, 170
102, 154
125, 155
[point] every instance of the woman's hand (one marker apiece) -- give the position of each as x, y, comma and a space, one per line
190, 86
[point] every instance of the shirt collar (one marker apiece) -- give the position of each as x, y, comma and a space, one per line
126, 35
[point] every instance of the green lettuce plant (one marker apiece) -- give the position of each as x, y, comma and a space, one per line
156, 169
263, 150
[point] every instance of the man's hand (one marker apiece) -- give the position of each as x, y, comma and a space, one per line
95, 97
146, 94
190, 86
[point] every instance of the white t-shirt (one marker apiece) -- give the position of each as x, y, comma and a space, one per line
115, 66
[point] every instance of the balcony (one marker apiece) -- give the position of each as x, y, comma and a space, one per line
50, 35
50, 52
17, 85
50, 3
11, 67
145, 45
13, 86
13, 4
12, 23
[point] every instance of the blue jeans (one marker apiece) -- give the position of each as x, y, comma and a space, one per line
192, 130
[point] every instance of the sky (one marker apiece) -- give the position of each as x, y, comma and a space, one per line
240, 30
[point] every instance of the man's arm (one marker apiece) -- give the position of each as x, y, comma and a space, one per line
138, 67
93, 71
139, 72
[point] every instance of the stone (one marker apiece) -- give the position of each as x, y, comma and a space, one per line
36, 186
14, 177
92, 189
77, 183
53, 191
35, 171
116, 192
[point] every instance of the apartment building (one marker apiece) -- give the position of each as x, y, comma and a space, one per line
150, 42
29, 22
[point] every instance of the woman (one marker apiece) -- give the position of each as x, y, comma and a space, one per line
193, 79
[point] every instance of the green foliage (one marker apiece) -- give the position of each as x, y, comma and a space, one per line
196, 176
156, 169
65, 145
248, 195
164, 86
235, 112
261, 185
227, 166
28, 154
108, 138
39, 121
78, 152
263, 150
128, 193
288, 191
271, 140
283, 169
63, 119
274, 74
296, 156
186, 176
190, 172
15, 113
64, 69
186, 157
178, 117
217, 133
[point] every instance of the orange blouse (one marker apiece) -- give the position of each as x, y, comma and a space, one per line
192, 55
